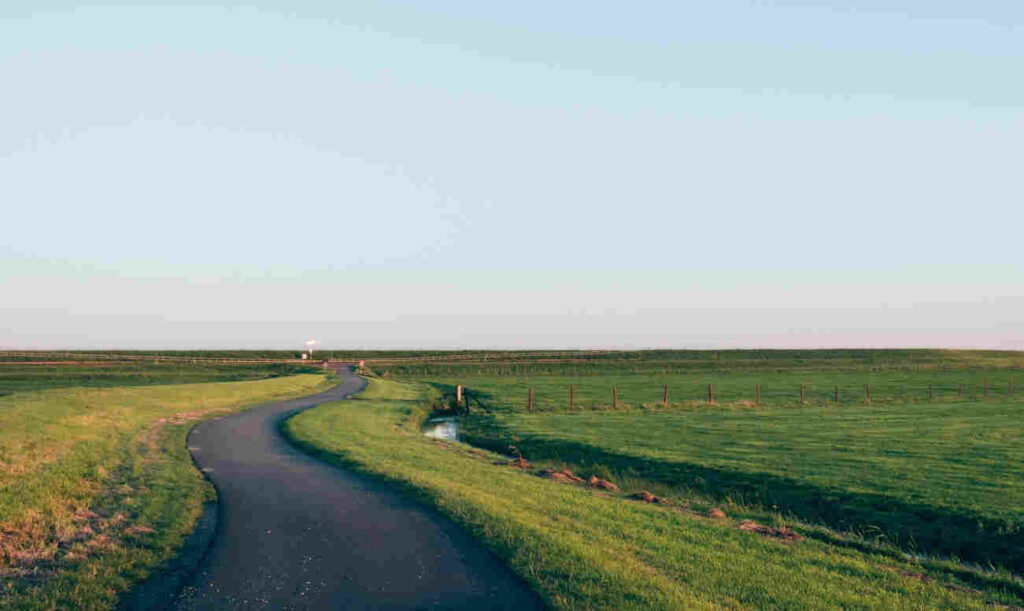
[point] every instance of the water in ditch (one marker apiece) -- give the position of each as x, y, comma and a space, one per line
446, 428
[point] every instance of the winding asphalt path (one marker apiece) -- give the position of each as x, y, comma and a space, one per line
294, 532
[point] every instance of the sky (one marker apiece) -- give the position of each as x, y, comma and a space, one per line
512, 175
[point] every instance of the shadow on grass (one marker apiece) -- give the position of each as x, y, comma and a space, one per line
473, 400
909, 526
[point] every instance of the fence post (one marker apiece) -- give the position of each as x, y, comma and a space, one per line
711, 393
530, 405
960, 390
615, 396
664, 396
930, 395
458, 394
570, 397
757, 393
801, 394
867, 393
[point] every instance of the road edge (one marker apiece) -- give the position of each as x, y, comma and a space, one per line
160, 588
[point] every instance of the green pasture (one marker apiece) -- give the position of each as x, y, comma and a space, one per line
551, 392
943, 478
17, 377
690, 362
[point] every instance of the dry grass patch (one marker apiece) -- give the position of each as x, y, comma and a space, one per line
97, 488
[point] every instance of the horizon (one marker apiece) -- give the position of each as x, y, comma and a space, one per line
561, 350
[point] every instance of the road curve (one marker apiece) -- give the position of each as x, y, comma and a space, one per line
294, 532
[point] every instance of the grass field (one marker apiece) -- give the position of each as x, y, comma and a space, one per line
97, 488
689, 362
946, 478
582, 547
16, 376
911, 500
777, 388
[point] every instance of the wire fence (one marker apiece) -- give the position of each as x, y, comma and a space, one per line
590, 396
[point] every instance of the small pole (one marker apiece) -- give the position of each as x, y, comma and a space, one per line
960, 390
930, 395
570, 397
711, 393
615, 396
458, 394
757, 393
664, 396
836, 399
530, 405
867, 393
801, 393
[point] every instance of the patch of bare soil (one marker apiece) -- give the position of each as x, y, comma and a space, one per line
647, 497
520, 463
602, 484
783, 533
564, 475
715, 512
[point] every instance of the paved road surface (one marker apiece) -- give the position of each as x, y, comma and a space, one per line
294, 532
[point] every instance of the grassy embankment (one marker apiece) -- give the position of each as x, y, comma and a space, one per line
97, 488
944, 478
586, 548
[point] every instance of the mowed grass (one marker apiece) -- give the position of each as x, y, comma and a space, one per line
942, 475
97, 488
585, 548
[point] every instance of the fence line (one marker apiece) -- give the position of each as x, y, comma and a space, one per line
800, 395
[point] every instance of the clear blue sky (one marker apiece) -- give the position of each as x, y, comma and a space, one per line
529, 174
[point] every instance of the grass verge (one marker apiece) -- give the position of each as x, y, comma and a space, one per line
581, 547
97, 487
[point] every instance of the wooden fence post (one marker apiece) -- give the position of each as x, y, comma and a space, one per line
801, 394
570, 397
757, 394
664, 396
615, 396
530, 405
458, 394
836, 399
867, 393
711, 393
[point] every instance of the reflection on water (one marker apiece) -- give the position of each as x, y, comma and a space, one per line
442, 428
